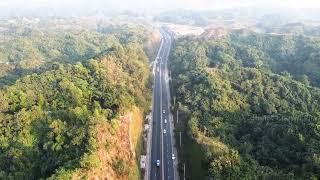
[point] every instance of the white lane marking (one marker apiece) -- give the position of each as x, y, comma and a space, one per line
162, 169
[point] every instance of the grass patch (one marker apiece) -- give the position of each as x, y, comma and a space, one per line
194, 156
121, 167
136, 134
190, 152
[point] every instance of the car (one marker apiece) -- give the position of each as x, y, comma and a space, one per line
164, 111
173, 157
158, 163
165, 120
164, 131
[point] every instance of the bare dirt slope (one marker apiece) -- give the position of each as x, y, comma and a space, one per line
118, 144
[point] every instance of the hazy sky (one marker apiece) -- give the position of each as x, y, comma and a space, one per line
160, 4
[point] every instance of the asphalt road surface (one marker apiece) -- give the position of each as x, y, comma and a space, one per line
161, 148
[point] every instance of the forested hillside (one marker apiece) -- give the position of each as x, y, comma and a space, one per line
282, 54
26, 48
244, 106
70, 115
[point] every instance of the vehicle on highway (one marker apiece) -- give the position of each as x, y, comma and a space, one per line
158, 163
163, 111
164, 131
165, 120
173, 157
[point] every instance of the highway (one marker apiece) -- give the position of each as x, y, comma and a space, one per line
162, 134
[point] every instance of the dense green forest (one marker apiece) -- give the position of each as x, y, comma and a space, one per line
49, 116
250, 105
25, 50
282, 54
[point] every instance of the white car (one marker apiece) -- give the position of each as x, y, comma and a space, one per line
165, 120
163, 111
164, 131
158, 163
173, 157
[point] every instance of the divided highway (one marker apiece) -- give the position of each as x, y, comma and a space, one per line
162, 152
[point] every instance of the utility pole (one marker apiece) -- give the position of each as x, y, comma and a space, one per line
180, 138
171, 86
184, 171
177, 117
